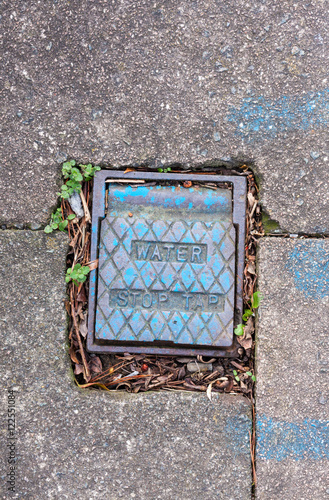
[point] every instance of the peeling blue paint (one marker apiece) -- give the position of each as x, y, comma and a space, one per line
259, 117
122, 194
309, 265
277, 440
173, 197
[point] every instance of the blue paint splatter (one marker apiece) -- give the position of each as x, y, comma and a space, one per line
237, 429
180, 200
212, 199
259, 117
129, 191
279, 439
209, 201
309, 264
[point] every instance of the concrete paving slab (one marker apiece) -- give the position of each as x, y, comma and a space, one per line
293, 370
134, 82
86, 444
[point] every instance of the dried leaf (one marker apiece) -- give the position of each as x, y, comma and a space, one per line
95, 365
81, 295
78, 369
230, 384
249, 328
68, 307
251, 268
251, 200
244, 388
209, 392
147, 382
163, 378
73, 355
80, 312
92, 265
246, 340
83, 328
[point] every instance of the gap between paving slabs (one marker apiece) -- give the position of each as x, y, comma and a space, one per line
139, 372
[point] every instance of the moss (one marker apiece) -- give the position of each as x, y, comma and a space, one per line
270, 225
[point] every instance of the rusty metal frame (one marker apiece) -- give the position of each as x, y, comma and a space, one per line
239, 187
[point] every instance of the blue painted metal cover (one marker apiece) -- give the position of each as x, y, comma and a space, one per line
166, 266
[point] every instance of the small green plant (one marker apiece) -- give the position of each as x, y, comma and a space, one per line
89, 171
254, 304
253, 378
78, 274
239, 330
57, 221
237, 378
164, 170
75, 176
67, 168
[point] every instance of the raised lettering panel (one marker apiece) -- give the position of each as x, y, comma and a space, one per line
160, 251
172, 301
176, 284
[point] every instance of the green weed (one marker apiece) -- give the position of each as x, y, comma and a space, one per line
237, 378
254, 304
164, 170
78, 274
74, 176
57, 221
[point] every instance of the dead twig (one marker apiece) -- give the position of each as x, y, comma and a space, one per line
252, 438
76, 327
85, 207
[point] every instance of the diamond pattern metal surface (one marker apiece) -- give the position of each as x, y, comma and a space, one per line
170, 292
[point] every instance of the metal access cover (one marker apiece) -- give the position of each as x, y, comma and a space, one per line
170, 269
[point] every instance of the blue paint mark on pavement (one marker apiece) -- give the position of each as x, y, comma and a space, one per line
309, 264
259, 117
278, 440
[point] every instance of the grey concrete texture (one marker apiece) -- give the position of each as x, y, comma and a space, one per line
190, 82
292, 395
87, 444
